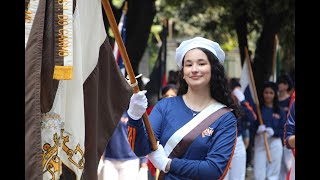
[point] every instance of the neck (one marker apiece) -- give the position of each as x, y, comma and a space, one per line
270, 105
283, 95
198, 100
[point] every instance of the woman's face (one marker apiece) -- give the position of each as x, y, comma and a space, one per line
196, 68
282, 87
170, 93
268, 95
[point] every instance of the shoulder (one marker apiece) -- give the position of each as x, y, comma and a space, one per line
292, 109
169, 101
227, 122
292, 105
228, 118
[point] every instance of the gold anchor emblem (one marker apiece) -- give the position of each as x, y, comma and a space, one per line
50, 157
71, 153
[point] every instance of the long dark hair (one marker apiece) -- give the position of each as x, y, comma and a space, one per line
219, 88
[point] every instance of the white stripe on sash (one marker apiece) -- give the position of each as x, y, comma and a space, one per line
184, 130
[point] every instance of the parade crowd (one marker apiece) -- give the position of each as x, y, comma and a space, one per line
205, 126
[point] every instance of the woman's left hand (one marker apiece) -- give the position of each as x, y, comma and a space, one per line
159, 158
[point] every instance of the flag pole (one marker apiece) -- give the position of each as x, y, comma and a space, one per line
163, 55
274, 62
125, 57
257, 102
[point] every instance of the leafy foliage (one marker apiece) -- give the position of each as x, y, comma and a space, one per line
216, 20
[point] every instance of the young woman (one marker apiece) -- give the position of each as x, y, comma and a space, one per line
203, 91
274, 118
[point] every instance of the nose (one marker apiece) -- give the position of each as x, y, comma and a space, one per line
194, 68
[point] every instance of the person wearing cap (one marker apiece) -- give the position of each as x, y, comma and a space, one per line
273, 117
203, 88
285, 84
237, 169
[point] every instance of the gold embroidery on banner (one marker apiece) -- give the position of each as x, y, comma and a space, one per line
61, 73
51, 162
63, 42
71, 153
28, 14
50, 159
63, 33
51, 153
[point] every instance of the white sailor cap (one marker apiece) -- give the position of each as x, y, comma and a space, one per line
186, 45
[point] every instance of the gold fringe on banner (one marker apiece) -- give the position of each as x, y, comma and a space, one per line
63, 72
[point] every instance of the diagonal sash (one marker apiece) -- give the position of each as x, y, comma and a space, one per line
192, 124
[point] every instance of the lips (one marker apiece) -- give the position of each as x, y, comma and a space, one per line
195, 77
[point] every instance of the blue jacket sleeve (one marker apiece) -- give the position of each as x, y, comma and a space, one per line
281, 123
216, 161
138, 137
143, 159
142, 145
290, 125
248, 113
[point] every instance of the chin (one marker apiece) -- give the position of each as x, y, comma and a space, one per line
197, 84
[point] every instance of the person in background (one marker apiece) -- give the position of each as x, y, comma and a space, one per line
118, 161
170, 90
285, 85
173, 77
289, 135
237, 169
203, 90
273, 117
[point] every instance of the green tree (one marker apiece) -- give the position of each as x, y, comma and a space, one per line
245, 21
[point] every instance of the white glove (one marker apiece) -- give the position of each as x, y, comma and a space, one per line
261, 129
143, 174
138, 105
269, 131
239, 94
159, 158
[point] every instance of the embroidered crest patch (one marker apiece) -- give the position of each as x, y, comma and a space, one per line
207, 132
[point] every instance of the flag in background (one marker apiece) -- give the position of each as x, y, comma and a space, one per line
275, 61
122, 29
69, 122
164, 35
278, 62
158, 75
246, 86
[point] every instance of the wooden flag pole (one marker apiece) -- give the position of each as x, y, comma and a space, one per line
125, 57
257, 103
274, 62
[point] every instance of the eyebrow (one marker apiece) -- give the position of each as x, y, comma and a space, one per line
196, 60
